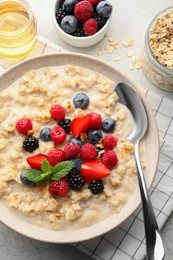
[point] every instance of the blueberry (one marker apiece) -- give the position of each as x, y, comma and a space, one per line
69, 24
108, 125
94, 136
76, 141
24, 180
45, 134
77, 163
104, 9
81, 100
68, 5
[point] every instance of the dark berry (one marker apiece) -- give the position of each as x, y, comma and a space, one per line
81, 100
60, 15
79, 32
45, 134
76, 141
76, 181
104, 9
65, 124
96, 186
77, 163
30, 143
94, 136
68, 5
100, 20
108, 125
69, 24
24, 180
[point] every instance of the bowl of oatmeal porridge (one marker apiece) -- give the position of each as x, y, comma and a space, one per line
67, 171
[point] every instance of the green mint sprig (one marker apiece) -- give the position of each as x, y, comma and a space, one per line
47, 172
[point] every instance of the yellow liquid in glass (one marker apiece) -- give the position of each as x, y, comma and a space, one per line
18, 30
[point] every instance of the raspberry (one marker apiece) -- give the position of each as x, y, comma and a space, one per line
71, 150
55, 156
88, 151
109, 142
96, 121
90, 27
57, 112
58, 134
93, 2
83, 11
23, 126
109, 158
60, 187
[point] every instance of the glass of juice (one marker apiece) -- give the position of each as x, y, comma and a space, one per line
18, 28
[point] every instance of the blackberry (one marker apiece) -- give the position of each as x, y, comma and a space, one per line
96, 186
76, 181
30, 143
60, 15
65, 124
101, 20
79, 32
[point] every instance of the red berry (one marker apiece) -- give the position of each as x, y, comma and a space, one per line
88, 151
71, 150
36, 160
60, 187
23, 126
90, 27
58, 134
96, 121
83, 11
57, 112
80, 125
109, 142
109, 158
55, 156
93, 2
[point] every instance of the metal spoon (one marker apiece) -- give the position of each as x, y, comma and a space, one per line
129, 97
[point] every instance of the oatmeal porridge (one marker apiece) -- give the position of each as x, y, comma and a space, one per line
64, 158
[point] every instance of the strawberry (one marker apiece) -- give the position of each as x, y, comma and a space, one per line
80, 125
36, 160
93, 170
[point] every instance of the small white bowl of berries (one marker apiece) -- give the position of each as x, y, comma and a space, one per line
82, 23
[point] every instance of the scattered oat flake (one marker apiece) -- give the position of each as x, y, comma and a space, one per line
110, 40
134, 59
131, 66
130, 41
138, 65
100, 52
126, 44
130, 54
118, 58
109, 49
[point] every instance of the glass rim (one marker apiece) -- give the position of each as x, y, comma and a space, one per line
24, 4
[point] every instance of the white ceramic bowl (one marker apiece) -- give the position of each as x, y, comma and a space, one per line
79, 41
20, 224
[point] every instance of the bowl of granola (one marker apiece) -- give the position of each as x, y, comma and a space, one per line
67, 170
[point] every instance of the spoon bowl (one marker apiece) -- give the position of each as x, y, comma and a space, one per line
130, 98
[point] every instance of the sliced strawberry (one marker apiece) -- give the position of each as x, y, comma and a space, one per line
94, 170
36, 160
80, 125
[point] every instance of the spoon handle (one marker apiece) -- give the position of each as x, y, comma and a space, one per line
154, 244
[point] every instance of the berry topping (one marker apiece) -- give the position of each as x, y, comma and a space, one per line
68, 5
96, 121
88, 151
94, 170
80, 125
45, 134
71, 150
76, 140
109, 125
109, 158
100, 149
94, 136
60, 15
81, 100
55, 156
59, 188
93, 2
23, 126
65, 124
77, 163
83, 11
30, 143
69, 24
90, 27
104, 9
24, 180
36, 160
109, 142
76, 181
79, 32
57, 112
96, 186
58, 134
100, 20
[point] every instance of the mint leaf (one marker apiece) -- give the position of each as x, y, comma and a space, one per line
45, 166
61, 169
35, 176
